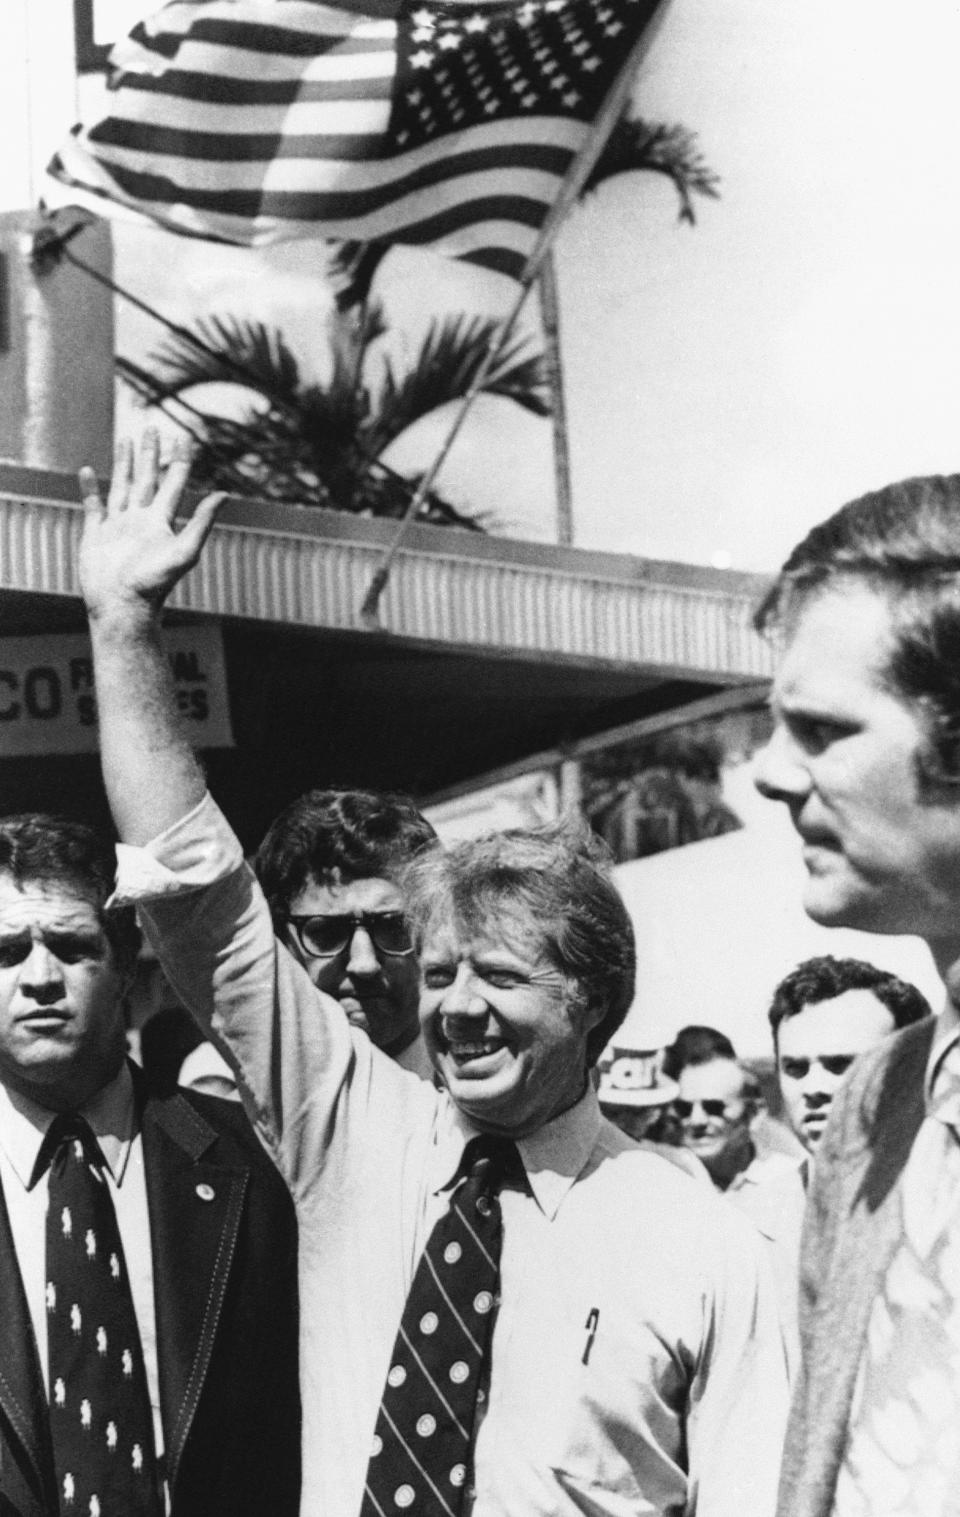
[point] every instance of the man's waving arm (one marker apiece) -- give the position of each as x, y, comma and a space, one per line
291, 1047
131, 556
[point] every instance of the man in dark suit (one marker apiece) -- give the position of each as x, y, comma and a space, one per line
866, 756
207, 1244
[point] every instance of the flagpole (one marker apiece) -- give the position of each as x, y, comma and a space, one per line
577, 175
550, 315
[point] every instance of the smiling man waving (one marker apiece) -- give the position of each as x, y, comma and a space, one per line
507, 1307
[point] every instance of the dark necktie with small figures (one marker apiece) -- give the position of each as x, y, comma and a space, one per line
100, 1419
424, 1434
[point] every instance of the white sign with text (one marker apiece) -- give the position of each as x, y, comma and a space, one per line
47, 703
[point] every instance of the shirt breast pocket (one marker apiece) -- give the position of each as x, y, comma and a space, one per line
597, 1400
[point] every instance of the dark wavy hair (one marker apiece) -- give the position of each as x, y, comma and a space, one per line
36, 848
823, 978
696, 1044
904, 543
335, 836
551, 882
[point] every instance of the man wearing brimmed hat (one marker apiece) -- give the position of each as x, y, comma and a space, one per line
635, 1094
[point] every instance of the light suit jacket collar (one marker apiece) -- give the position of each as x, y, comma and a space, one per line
851, 1232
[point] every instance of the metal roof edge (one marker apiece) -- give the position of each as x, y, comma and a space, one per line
448, 587
249, 515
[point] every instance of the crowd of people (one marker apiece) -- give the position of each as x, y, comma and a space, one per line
449, 1246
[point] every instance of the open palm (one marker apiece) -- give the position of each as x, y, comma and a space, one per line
132, 550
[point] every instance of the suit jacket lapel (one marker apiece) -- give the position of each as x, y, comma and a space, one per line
22, 1393
874, 1181
867, 1219
195, 1209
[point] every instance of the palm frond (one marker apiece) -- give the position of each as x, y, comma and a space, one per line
229, 350
140, 380
445, 368
352, 267
386, 493
352, 334
319, 444
637, 146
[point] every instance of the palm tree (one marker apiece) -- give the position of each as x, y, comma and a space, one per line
322, 444
319, 444
636, 145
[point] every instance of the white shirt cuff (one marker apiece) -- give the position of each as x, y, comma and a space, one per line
196, 851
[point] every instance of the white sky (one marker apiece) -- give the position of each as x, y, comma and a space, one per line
798, 345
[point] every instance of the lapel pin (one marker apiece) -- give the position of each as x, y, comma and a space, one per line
206, 1192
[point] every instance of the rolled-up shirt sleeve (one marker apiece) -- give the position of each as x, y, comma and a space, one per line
296, 1059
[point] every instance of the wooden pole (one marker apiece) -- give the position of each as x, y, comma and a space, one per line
577, 175
550, 312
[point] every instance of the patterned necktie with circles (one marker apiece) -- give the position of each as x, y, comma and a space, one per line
422, 1444
100, 1419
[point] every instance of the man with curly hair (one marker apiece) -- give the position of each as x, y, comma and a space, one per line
865, 755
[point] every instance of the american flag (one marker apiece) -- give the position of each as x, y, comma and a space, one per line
444, 123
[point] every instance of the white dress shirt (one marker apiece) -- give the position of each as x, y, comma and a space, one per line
771, 1191
112, 1117
415, 1058
637, 1365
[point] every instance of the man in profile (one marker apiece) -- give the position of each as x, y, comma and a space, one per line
865, 755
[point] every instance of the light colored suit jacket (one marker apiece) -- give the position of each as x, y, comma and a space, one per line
851, 1231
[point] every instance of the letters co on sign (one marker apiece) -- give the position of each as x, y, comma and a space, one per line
47, 702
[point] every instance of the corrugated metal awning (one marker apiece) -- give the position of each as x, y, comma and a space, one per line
494, 655
453, 588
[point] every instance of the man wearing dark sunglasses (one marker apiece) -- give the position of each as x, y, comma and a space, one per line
823, 1014
716, 1105
330, 867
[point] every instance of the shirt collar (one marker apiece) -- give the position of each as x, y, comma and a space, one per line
752, 1175
553, 1156
416, 1058
766, 1167
111, 1115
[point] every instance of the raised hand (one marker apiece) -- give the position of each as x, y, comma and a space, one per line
132, 552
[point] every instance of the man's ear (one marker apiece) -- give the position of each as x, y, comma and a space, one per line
592, 1012
758, 1108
